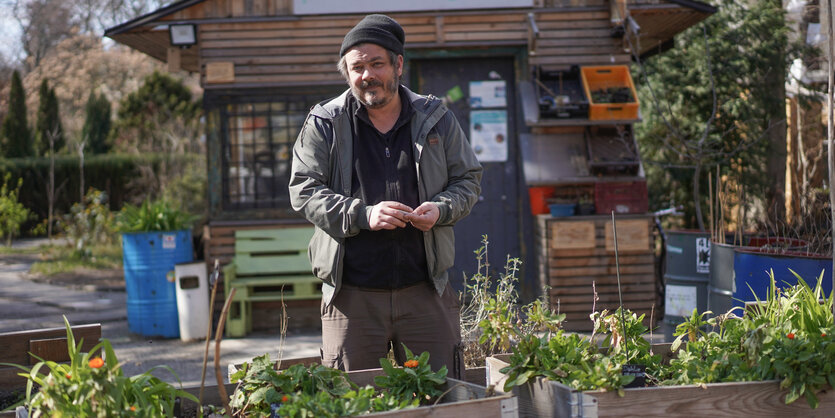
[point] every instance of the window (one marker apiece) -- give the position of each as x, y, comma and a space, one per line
257, 143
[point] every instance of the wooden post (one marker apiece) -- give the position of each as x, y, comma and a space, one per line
829, 132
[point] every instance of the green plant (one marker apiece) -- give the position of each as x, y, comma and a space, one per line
492, 320
89, 223
159, 215
788, 336
93, 385
12, 213
415, 380
319, 391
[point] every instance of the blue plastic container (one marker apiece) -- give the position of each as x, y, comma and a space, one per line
734, 269
148, 258
562, 209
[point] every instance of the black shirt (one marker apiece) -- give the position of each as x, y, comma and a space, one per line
384, 169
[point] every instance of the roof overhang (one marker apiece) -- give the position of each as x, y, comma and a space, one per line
660, 22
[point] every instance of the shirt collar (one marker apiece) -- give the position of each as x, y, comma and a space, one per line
361, 113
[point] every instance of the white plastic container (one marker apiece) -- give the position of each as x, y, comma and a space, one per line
192, 300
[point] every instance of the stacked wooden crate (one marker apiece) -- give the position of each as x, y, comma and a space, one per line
578, 259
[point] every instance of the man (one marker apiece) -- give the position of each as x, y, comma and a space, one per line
384, 174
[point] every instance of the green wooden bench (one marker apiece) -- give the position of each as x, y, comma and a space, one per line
269, 265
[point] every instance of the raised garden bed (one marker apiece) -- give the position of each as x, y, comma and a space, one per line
545, 398
463, 399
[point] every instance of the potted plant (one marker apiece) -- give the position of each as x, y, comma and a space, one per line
155, 237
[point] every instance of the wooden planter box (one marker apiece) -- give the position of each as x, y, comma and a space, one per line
464, 399
545, 398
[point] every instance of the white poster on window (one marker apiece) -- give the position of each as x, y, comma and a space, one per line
488, 134
679, 300
489, 93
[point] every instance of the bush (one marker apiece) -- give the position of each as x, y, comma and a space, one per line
12, 213
89, 224
115, 175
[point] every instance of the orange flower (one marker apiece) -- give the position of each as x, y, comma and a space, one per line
132, 408
96, 362
68, 376
411, 364
790, 335
284, 398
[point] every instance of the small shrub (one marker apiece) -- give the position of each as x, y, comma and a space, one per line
12, 213
89, 223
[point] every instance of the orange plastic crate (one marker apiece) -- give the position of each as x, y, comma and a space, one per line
607, 76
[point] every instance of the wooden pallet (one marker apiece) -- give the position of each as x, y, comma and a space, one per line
578, 259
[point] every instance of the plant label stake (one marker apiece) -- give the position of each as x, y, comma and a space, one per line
637, 370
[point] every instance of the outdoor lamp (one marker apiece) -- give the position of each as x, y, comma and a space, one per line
182, 35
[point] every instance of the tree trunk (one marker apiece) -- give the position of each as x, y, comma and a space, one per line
776, 163
697, 196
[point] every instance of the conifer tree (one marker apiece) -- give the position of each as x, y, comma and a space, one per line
97, 123
17, 141
49, 121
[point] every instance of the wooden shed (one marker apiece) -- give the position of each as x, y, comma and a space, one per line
264, 63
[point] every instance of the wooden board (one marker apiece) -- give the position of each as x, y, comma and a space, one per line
573, 235
633, 236
49, 344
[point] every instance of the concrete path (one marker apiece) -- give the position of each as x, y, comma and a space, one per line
26, 305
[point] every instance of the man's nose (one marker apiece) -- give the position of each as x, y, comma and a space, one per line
367, 74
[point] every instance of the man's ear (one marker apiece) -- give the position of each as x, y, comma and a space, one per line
399, 65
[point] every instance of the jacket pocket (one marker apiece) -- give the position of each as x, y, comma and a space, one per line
322, 252
444, 249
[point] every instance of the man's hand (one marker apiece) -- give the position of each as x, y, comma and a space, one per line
388, 215
425, 216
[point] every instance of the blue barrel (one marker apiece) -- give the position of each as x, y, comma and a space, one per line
148, 258
751, 268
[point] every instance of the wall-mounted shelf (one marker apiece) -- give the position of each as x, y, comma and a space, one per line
530, 110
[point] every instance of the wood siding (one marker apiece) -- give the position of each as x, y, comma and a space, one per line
302, 51
577, 261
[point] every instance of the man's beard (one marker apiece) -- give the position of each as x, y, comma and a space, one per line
375, 101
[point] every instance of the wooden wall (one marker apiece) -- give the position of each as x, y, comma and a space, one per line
304, 51
576, 256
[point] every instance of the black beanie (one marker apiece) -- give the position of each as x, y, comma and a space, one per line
376, 29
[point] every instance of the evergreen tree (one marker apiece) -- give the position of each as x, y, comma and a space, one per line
160, 116
49, 121
710, 101
97, 123
15, 133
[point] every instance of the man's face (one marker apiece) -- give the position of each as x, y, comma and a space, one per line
371, 75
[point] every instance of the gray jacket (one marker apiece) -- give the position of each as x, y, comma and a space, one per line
320, 184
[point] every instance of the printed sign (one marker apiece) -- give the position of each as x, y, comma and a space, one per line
169, 241
488, 94
702, 255
679, 300
488, 134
